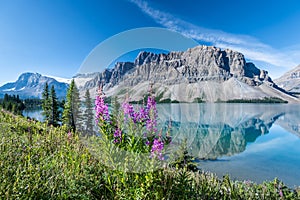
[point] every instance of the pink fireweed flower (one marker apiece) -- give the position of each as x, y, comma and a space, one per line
156, 150
280, 193
101, 109
151, 103
151, 122
136, 116
128, 111
69, 136
118, 136
142, 115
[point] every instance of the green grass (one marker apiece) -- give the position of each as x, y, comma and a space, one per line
41, 162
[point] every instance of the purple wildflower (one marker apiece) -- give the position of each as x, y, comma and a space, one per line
101, 109
118, 136
147, 142
151, 122
118, 133
142, 115
151, 104
69, 135
128, 111
280, 193
157, 148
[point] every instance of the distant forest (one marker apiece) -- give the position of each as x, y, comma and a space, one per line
14, 104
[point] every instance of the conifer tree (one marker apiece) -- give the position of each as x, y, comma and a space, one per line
54, 112
46, 103
88, 114
13, 104
72, 114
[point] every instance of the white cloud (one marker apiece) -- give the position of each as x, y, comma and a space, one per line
251, 47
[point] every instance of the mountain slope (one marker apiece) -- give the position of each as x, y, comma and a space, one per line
290, 81
31, 85
202, 72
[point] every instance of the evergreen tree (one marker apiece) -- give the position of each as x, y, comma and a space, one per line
72, 114
6, 98
13, 104
62, 104
9, 106
46, 103
88, 114
54, 112
183, 159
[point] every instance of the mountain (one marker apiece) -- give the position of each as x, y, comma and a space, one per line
31, 85
290, 81
202, 73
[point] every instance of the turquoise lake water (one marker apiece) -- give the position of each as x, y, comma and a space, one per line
255, 142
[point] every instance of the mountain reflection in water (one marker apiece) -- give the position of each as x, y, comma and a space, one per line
216, 130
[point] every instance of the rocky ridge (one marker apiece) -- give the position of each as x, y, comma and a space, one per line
290, 81
203, 72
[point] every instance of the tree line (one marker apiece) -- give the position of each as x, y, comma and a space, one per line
77, 115
13, 104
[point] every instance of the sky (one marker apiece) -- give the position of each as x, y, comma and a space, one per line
54, 37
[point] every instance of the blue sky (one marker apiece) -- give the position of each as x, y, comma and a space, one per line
54, 37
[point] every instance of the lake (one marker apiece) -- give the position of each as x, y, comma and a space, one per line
34, 113
255, 142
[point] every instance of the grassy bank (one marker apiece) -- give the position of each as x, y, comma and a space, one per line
41, 162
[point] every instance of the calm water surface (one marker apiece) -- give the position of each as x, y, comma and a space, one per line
36, 114
255, 142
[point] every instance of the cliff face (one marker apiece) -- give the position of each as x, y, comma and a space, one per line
202, 72
198, 64
290, 81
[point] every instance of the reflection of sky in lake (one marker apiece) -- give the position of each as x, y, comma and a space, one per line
34, 114
276, 154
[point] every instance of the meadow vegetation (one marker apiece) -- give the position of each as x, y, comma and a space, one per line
39, 161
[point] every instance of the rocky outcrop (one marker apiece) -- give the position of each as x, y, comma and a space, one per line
202, 72
198, 64
109, 77
290, 81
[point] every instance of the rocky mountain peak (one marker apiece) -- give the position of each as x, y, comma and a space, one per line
202, 72
200, 63
145, 57
31, 85
29, 79
290, 81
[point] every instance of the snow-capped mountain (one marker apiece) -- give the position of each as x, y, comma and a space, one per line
31, 85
